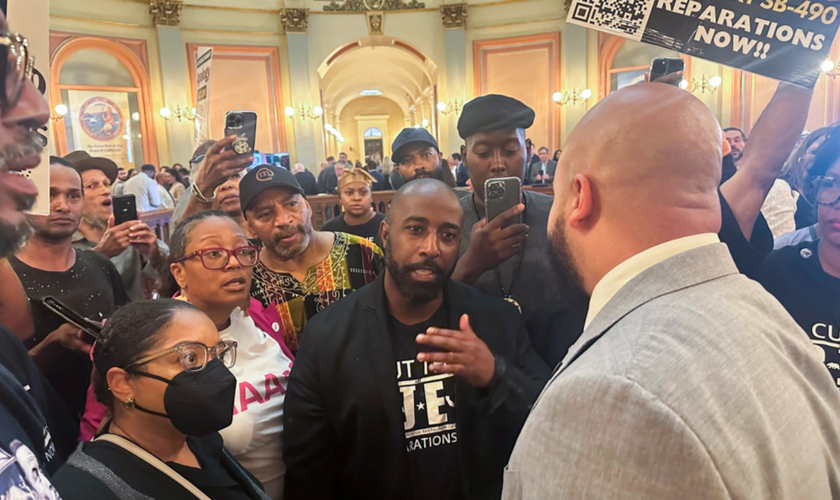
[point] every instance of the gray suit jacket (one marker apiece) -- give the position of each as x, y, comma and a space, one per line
692, 383
550, 168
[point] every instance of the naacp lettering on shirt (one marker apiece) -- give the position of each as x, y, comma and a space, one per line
795, 277
249, 395
428, 406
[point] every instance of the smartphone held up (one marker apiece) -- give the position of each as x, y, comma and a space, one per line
242, 124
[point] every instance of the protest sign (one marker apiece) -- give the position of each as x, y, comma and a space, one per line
31, 18
783, 39
203, 61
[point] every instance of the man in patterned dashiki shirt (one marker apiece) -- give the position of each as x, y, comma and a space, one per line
301, 271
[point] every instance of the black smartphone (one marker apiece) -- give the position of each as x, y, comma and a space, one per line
125, 208
500, 195
242, 124
72, 317
661, 66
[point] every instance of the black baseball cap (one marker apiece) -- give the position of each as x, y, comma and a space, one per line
408, 136
263, 177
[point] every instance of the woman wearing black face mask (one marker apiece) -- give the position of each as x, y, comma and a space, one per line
162, 370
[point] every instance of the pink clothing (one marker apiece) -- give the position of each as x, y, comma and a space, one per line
267, 320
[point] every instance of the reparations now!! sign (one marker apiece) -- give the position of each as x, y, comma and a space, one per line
783, 39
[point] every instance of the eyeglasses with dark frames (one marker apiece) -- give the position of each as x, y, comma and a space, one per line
215, 259
825, 190
194, 356
17, 70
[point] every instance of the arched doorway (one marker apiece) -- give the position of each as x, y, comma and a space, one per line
373, 142
373, 88
104, 84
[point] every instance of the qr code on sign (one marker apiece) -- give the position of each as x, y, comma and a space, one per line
626, 16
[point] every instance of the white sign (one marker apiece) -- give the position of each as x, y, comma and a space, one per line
31, 18
203, 59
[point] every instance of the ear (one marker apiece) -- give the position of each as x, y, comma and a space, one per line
463, 152
583, 204
178, 273
384, 232
119, 382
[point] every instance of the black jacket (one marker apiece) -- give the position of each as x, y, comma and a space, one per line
307, 182
344, 431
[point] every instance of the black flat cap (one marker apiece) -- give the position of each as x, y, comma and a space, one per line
262, 177
412, 135
493, 112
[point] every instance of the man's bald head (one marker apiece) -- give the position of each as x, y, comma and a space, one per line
641, 168
426, 188
645, 138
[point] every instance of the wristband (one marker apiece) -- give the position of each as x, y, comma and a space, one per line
199, 195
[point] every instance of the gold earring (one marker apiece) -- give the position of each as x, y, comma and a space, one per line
129, 403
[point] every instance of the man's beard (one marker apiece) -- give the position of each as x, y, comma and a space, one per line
289, 253
13, 236
95, 222
563, 263
432, 174
414, 291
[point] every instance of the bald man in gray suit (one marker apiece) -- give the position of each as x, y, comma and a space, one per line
689, 381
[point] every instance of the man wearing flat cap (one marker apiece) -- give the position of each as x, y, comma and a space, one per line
132, 246
416, 155
512, 262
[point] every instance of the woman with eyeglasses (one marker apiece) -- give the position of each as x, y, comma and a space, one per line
805, 277
211, 265
163, 371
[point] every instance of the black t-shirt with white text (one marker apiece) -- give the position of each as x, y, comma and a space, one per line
93, 288
812, 297
429, 401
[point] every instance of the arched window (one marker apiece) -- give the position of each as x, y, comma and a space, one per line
373, 133
105, 87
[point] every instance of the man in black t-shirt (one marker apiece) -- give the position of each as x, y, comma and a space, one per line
414, 387
85, 281
36, 434
805, 278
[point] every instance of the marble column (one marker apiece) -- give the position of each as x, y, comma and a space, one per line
175, 71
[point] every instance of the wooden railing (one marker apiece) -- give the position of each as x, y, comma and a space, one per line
324, 208
159, 221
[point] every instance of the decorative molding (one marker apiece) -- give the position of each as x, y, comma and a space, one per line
373, 5
166, 12
375, 22
295, 20
454, 16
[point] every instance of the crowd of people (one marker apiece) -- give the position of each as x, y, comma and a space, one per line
635, 335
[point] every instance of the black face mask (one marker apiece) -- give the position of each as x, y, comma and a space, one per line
197, 403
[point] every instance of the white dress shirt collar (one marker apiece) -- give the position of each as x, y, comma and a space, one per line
621, 274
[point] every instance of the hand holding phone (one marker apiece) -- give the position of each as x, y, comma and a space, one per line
220, 164
92, 329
